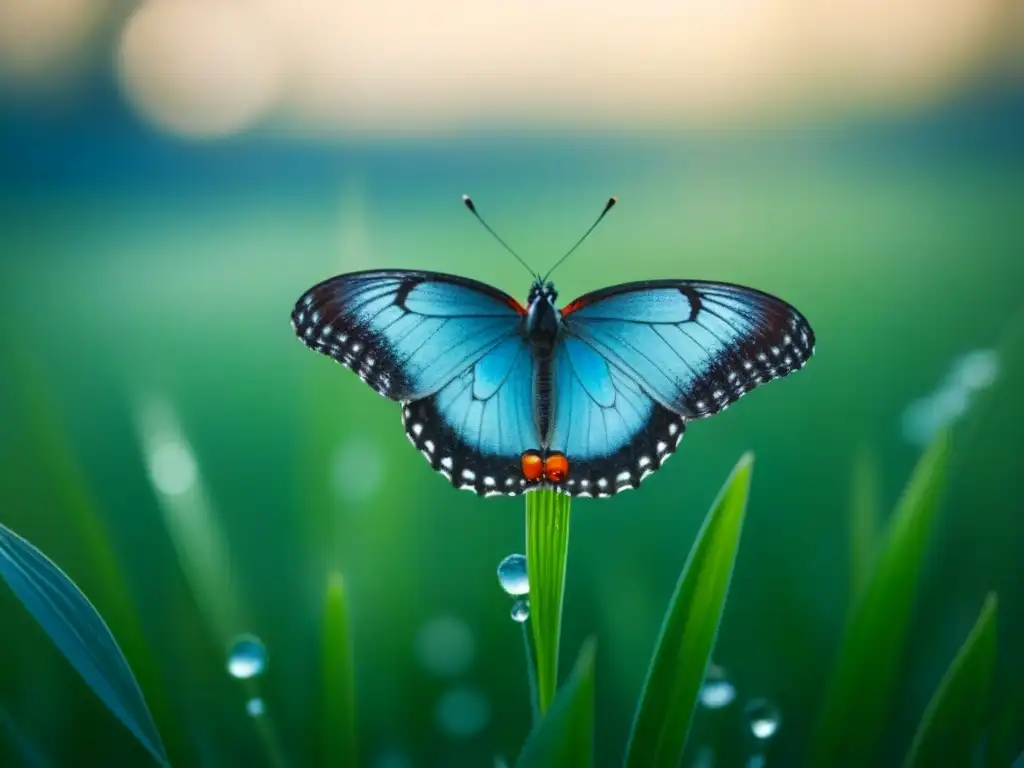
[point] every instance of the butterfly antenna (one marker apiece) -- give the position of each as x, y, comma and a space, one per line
472, 209
607, 207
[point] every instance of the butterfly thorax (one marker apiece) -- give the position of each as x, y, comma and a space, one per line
542, 319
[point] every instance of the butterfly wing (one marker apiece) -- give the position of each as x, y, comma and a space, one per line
405, 333
475, 429
612, 431
451, 350
666, 352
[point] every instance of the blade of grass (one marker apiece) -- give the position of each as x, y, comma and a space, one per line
79, 632
531, 676
860, 692
547, 548
952, 725
338, 706
688, 632
564, 738
865, 520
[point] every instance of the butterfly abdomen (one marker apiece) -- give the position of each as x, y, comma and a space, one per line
542, 380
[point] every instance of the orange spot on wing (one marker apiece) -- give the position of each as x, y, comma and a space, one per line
516, 306
533, 466
556, 467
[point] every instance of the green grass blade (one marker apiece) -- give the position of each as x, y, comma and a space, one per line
547, 547
863, 681
564, 738
531, 676
865, 520
951, 727
669, 697
80, 633
337, 703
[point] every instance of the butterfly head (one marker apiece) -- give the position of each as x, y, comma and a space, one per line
541, 316
542, 290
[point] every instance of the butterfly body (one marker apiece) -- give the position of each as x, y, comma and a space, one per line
588, 399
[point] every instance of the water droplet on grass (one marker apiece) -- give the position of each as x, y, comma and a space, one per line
512, 575
247, 657
254, 706
763, 718
717, 690
520, 610
462, 712
445, 646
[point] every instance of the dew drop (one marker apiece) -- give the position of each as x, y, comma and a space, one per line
445, 646
520, 610
462, 712
512, 575
254, 706
717, 690
247, 657
763, 718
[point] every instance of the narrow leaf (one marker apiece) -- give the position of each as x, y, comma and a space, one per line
688, 631
564, 738
860, 692
547, 548
338, 707
79, 633
952, 725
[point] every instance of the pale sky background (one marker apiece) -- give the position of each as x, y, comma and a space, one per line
209, 68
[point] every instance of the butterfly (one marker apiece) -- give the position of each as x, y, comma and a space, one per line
587, 399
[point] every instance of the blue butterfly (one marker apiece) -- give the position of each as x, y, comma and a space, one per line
589, 399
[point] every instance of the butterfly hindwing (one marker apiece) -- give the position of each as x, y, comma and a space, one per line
613, 433
475, 429
694, 347
405, 333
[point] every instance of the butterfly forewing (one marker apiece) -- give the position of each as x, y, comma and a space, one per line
405, 333
695, 347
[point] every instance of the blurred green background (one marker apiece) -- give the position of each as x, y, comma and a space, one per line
198, 473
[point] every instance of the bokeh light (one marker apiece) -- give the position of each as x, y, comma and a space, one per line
445, 646
206, 68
